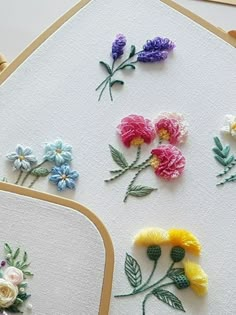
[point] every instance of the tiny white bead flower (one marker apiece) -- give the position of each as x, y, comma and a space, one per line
229, 125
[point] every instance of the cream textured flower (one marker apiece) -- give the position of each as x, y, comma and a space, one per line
8, 293
13, 275
229, 125
151, 236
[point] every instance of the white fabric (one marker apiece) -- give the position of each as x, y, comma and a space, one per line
65, 250
53, 95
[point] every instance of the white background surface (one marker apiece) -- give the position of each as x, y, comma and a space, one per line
57, 240
43, 101
22, 21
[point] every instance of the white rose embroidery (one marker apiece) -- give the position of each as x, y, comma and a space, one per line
8, 293
13, 275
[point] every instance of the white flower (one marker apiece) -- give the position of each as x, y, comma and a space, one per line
229, 125
180, 124
8, 293
13, 275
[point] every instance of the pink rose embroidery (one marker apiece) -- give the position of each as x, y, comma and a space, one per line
167, 161
171, 127
136, 130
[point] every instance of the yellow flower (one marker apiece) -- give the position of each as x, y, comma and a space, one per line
185, 239
197, 277
151, 236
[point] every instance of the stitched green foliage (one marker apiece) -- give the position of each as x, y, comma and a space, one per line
40, 172
132, 51
128, 65
175, 272
133, 271
120, 82
222, 153
106, 66
168, 298
140, 191
118, 157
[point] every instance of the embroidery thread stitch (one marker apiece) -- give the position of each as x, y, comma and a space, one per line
57, 152
12, 281
189, 275
155, 50
166, 160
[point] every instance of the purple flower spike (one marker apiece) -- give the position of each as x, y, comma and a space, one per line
152, 56
159, 43
118, 46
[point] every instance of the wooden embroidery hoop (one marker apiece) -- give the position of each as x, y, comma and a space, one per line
55, 26
109, 251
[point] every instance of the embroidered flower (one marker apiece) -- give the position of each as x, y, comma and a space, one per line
229, 125
22, 159
136, 130
186, 240
171, 127
58, 152
197, 277
13, 275
8, 293
156, 50
167, 161
118, 46
151, 236
63, 177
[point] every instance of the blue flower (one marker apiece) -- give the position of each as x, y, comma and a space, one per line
159, 43
63, 177
22, 158
58, 152
118, 46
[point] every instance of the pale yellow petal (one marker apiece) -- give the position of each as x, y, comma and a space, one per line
151, 236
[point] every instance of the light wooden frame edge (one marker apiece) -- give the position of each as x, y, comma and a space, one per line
55, 26
108, 246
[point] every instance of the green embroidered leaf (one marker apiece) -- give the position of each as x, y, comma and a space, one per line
218, 152
132, 51
14, 309
28, 273
226, 151
25, 257
218, 143
106, 66
7, 248
118, 157
220, 160
129, 65
175, 272
40, 172
140, 191
23, 296
17, 252
120, 82
229, 160
133, 271
168, 298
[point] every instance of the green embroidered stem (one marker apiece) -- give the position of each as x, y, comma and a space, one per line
18, 178
133, 180
112, 72
121, 172
144, 302
142, 164
28, 174
150, 277
232, 178
151, 286
227, 169
33, 182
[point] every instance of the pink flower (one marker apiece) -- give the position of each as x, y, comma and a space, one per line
167, 161
136, 130
171, 127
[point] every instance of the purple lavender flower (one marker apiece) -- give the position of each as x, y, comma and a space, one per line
118, 46
152, 56
159, 43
